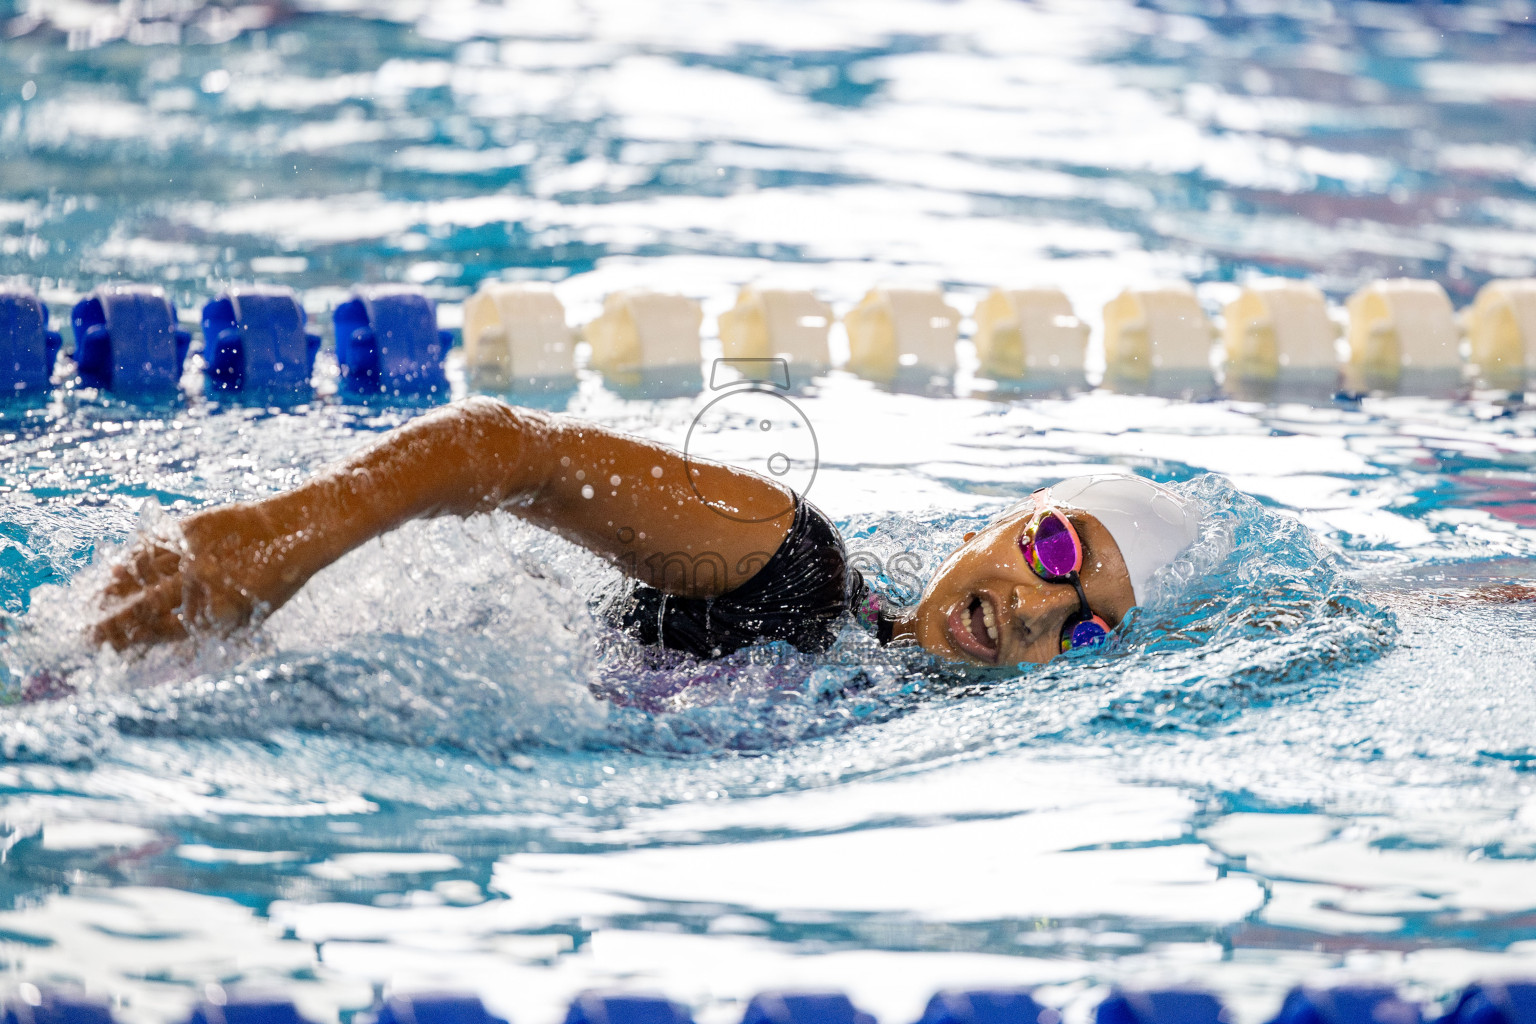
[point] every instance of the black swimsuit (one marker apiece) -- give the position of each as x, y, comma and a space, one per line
797, 596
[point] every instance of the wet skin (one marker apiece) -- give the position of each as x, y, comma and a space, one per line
989, 570
634, 502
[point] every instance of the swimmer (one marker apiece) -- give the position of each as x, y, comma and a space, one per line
752, 563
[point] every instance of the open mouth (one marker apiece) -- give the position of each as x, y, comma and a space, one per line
972, 626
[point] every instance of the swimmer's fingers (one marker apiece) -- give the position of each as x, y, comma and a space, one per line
173, 609
150, 616
163, 591
145, 566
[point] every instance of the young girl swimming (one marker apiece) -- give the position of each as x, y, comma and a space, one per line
720, 558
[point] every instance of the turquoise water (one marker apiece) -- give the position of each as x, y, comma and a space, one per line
433, 768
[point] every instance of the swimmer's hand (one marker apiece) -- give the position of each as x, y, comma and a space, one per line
234, 563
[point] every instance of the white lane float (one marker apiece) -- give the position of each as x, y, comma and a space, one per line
1156, 330
1402, 324
641, 330
1501, 329
1278, 327
902, 330
516, 335
1025, 332
765, 323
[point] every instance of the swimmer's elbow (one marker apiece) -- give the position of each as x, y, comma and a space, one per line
504, 443
481, 414
487, 417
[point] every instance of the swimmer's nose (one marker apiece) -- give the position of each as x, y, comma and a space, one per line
1019, 610
1028, 594
1032, 601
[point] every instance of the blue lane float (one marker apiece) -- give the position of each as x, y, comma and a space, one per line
804, 1008
29, 1005
987, 1006
254, 340
127, 341
431, 1008
28, 349
1495, 1003
1169, 1006
248, 1009
1502, 1002
625, 1008
1346, 1004
387, 342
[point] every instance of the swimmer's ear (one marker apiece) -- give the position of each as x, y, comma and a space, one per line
968, 537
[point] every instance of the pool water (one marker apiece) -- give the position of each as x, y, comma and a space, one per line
1310, 757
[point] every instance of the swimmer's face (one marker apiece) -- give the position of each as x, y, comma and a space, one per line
987, 578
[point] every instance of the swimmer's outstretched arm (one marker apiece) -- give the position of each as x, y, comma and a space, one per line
624, 498
1482, 593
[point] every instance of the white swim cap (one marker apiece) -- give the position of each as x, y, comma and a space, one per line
1151, 524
